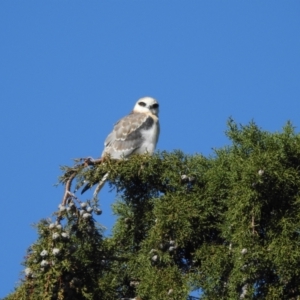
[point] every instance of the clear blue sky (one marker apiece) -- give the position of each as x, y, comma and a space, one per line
70, 69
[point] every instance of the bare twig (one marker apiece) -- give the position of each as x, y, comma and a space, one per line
89, 161
68, 188
100, 185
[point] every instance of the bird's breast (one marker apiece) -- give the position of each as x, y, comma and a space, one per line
150, 138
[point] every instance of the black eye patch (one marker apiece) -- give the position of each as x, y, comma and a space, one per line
142, 103
155, 105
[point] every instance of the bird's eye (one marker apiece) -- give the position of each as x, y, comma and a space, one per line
155, 105
142, 103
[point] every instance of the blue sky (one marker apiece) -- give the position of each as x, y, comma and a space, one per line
70, 69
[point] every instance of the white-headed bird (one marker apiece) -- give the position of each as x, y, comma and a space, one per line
136, 133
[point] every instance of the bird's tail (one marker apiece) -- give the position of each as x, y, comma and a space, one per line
98, 188
86, 187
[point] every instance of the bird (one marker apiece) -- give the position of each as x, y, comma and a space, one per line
136, 133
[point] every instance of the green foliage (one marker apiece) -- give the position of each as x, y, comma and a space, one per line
67, 259
228, 224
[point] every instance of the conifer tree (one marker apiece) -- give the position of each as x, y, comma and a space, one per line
228, 224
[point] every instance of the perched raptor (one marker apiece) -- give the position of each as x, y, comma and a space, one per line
136, 133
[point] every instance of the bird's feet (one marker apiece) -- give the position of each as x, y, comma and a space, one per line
89, 161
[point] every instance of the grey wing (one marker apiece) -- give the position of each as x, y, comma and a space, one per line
126, 136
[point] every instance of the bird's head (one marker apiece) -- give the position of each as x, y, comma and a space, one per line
147, 104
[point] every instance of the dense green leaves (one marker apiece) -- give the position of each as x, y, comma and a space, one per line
228, 224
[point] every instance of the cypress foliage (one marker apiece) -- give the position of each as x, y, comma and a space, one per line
228, 224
